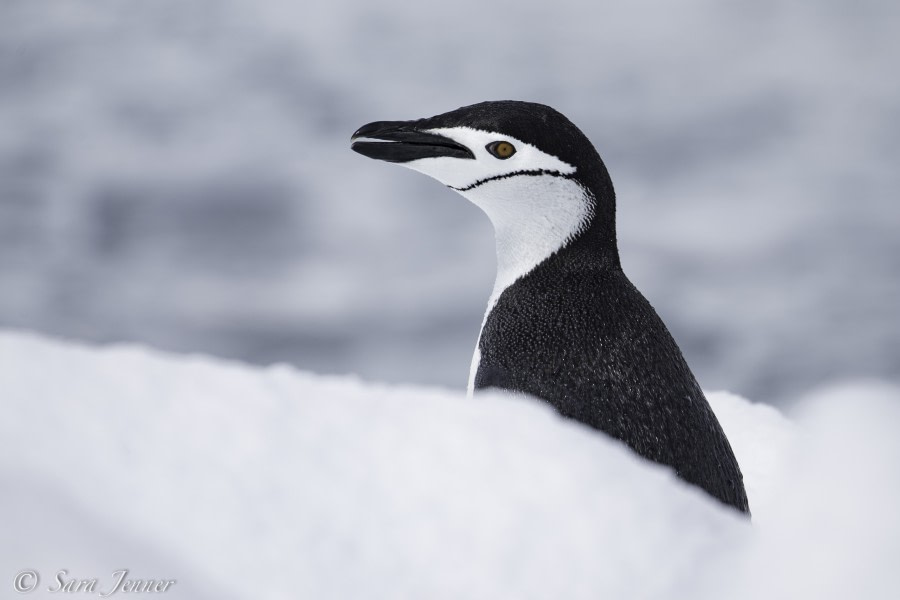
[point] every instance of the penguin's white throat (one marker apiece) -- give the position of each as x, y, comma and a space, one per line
530, 196
533, 217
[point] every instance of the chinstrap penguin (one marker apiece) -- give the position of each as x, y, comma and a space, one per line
564, 323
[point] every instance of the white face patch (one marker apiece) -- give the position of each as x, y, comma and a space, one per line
534, 206
463, 173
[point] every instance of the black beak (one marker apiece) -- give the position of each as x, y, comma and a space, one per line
401, 141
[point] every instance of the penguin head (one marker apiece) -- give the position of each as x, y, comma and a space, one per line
468, 146
533, 172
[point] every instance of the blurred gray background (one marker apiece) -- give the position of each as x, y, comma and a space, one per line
178, 174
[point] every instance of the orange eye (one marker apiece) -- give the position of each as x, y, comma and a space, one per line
501, 150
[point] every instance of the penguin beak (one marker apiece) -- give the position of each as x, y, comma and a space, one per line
401, 141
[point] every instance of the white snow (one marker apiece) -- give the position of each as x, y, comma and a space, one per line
241, 482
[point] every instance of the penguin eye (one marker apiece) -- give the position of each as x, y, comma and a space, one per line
501, 150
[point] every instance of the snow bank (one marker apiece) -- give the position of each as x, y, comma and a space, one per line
241, 482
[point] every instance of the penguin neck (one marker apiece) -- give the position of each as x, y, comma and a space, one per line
537, 216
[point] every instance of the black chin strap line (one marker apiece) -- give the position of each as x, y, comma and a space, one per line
531, 173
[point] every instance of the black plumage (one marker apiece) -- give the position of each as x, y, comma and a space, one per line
574, 331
